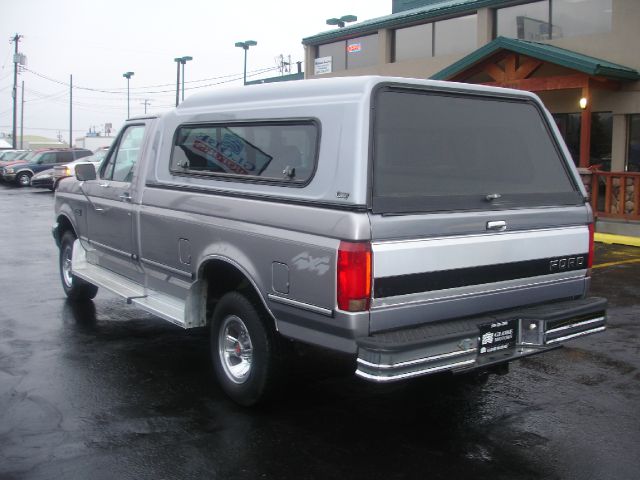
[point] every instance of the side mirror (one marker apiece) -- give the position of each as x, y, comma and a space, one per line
85, 171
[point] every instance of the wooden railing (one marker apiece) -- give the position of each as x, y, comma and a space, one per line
615, 195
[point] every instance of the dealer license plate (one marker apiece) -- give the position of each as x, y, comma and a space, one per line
497, 336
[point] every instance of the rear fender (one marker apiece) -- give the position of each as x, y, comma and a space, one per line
232, 259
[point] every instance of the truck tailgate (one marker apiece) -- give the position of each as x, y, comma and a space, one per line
418, 281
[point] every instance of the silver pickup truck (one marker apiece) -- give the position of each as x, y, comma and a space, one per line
419, 226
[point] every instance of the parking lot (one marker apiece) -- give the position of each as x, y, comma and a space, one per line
104, 390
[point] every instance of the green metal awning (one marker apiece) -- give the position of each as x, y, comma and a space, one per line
402, 19
544, 52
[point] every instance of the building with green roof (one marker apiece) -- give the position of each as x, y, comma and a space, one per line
579, 56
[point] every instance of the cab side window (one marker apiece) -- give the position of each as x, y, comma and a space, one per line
64, 157
122, 161
47, 158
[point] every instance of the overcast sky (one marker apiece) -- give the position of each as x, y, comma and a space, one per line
98, 41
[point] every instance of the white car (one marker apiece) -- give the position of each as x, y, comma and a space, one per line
68, 169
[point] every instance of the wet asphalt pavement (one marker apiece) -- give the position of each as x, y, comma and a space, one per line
106, 391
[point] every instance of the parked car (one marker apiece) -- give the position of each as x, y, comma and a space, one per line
24, 156
68, 170
9, 155
44, 179
49, 178
21, 172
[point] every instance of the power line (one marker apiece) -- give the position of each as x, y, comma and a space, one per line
61, 97
45, 128
118, 91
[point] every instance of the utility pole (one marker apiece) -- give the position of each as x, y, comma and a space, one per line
22, 118
283, 67
16, 59
146, 103
70, 111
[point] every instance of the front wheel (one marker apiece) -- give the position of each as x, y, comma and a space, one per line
75, 288
23, 179
245, 350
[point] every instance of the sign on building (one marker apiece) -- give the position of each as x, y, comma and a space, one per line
322, 65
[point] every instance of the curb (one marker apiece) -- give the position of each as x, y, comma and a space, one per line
617, 239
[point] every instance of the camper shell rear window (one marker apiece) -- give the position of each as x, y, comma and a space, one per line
439, 151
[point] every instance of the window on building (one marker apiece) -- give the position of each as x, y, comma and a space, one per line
580, 17
413, 42
601, 140
525, 22
354, 53
274, 151
336, 51
633, 153
362, 52
601, 137
569, 126
456, 35
548, 19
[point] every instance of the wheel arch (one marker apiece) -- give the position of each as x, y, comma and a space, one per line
63, 224
235, 278
24, 170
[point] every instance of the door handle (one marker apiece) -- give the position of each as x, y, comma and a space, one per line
125, 197
498, 226
104, 185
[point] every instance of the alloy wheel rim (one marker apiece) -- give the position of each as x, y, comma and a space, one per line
235, 349
66, 267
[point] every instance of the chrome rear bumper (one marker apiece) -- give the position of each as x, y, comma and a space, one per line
456, 345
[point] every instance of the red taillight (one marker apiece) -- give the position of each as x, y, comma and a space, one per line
354, 276
591, 248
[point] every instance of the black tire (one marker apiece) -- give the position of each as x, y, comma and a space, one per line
75, 288
23, 179
252, 382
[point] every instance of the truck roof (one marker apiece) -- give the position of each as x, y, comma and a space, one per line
294, 92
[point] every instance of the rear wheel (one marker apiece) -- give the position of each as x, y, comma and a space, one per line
75, 288
23, 179
245, 349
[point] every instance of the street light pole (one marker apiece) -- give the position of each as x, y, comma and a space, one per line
128, 76
178, 61
182, 62
245, 46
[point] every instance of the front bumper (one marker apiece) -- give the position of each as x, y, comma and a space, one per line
9, 177
456, 345
42, 182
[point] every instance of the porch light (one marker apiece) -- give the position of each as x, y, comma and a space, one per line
583, 103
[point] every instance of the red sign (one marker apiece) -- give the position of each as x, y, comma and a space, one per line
354, 47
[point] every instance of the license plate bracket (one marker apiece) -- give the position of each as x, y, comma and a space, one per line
498, 336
